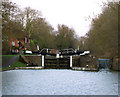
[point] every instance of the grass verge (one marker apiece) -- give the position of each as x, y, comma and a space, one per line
15, 64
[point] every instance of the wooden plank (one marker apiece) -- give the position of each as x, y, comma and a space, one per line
52, 62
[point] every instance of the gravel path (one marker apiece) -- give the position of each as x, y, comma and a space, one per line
11, 61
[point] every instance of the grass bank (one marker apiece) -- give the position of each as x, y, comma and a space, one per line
7, 58
15, 63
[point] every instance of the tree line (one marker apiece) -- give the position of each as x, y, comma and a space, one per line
18, 23
101, 39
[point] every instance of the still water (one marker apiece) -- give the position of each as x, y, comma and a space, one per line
59, 82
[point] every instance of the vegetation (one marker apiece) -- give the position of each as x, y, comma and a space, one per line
18, 64
18, 23
65, 37
101, 40
15, 64
6, 58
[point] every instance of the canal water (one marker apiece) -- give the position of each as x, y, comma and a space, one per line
59, 82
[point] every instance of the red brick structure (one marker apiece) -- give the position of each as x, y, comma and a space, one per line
17, 45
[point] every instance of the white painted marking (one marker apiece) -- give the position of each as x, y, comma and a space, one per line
57, 55
70, 61
42, 61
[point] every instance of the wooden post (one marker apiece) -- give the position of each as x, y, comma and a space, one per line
42, 61
57, 63
70, 61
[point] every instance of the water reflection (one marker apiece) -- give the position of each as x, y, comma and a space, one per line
59, 82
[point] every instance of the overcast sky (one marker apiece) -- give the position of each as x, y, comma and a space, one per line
72, 13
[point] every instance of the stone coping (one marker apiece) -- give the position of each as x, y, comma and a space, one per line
85, 69
39, 68
17, 68
29, 67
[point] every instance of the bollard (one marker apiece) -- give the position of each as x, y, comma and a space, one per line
70, 61
42, 61
57, 55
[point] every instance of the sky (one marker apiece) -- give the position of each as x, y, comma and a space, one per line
72, 13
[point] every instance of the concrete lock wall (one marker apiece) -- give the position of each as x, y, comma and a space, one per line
32, 60
83, 61
75, 61
67, 62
